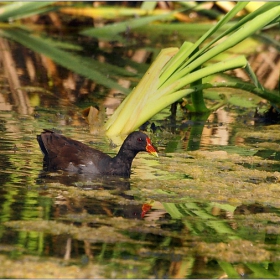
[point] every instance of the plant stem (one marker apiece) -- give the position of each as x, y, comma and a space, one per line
197, 97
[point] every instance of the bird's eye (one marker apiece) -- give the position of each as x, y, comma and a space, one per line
139, 139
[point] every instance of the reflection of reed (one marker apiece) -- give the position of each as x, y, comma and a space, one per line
20, 97
68, 249
266, 64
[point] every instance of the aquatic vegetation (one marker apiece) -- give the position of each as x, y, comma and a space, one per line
165, 81
212, 212
174, 74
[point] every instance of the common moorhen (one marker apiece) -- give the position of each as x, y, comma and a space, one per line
62, 153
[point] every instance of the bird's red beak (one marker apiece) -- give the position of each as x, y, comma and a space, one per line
150, 148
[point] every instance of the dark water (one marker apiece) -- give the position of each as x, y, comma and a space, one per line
206, 208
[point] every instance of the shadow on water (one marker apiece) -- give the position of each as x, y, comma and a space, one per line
114, 187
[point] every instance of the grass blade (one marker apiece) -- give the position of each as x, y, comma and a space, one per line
110, 31
247, 29
66, 59
21, 9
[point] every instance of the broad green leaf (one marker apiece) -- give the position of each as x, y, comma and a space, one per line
18, 10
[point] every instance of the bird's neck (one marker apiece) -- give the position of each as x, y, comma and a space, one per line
124, 160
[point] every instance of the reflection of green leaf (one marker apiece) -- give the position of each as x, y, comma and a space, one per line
242, 102
184, 210
229, 269
260, 271
66, 59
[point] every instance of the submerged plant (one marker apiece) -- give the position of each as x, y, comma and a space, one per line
177, 73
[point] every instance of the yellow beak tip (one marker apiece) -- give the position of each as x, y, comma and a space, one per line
154, 154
